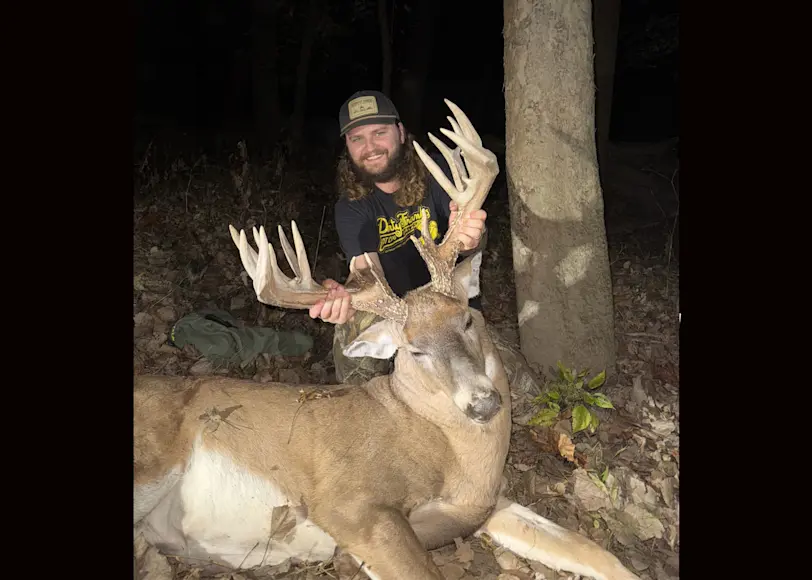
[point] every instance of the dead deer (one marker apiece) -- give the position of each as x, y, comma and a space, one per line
245, 474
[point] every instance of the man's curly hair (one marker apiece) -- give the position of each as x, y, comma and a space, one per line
414, 177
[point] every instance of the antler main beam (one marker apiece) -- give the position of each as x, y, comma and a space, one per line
370, 291
472, 182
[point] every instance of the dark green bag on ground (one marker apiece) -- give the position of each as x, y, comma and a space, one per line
221, 338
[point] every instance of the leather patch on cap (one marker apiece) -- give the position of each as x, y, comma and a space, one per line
362, 107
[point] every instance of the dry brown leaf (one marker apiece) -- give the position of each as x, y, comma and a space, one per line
464, 551
144, 324
149, 563
289, 376
591, 497
508, 561
557, 441
201, 367
644, 524
283, 522
166, 314
452, 571
566, 447
545, 439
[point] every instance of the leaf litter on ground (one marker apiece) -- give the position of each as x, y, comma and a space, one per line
623, 492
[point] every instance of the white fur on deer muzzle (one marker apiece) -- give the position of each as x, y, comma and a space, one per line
474, 395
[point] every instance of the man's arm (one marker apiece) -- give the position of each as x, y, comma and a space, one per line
483, 242
361, 263
337, 308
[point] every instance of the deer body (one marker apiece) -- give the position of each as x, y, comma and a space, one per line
246, 474
245, 448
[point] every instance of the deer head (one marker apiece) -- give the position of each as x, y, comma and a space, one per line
431, 328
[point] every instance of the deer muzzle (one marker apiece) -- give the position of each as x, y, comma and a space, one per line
485, 404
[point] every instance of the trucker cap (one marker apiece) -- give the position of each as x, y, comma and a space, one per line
365, 108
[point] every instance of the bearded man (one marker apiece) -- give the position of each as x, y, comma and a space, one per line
383, 186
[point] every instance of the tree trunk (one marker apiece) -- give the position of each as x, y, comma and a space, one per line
605, 20
265, 80
386, 47
300, 96
561, 264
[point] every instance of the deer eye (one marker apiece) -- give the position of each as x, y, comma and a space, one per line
469, 323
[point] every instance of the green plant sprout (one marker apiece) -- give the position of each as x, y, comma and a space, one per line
571, 390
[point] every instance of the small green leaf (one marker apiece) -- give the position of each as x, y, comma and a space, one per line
541, 399
566, 373
602, 401
589, 399
597, 380
554, 395
554, 406
580, 384
604, 474
544, 418
593, 421
580, 418
583, 373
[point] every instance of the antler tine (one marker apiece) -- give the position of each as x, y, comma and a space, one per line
471, 185
289, 253
465, 126
247, 255
270, 284
299, 264
371, 293
454, 160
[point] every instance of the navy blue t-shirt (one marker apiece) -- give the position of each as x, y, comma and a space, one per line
376, 224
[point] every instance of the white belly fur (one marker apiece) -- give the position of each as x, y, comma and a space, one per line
225, 515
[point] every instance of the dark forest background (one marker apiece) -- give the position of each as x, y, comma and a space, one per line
275, 72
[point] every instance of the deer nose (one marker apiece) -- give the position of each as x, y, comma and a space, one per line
484, 405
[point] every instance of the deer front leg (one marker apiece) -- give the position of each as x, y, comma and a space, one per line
529, 535
437, 524
382, 541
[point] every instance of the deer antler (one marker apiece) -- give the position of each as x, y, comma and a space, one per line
469, 190
368, 287
370, 291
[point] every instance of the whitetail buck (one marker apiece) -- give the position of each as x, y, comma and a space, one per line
244, 474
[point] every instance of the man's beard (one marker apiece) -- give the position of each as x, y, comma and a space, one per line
393, 169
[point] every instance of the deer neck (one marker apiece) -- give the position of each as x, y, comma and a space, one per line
481, 448
432, 404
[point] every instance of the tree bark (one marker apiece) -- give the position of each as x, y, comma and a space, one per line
560, 257
265, 80
386, 48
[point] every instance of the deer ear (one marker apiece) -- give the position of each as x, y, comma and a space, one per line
466, 274
381, 340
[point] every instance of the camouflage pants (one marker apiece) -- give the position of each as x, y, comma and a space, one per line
357, 371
